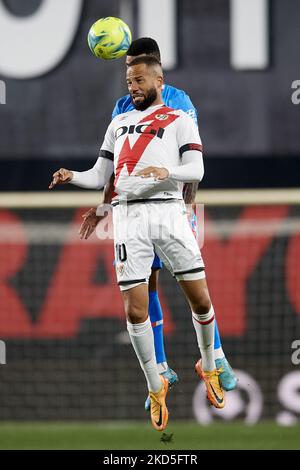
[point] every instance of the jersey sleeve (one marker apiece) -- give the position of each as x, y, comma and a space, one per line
96, 177
188, 137
182, 101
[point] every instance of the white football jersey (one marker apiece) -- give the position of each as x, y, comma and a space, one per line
157, 137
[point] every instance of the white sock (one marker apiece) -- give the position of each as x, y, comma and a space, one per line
205, 327
219, 353
142, 340
162, 367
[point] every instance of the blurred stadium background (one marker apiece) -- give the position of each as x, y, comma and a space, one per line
68, 358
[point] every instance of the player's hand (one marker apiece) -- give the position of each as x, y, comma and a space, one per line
62, 176
153, 172
90, 222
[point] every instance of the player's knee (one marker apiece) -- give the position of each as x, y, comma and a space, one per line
136, 313
202, 305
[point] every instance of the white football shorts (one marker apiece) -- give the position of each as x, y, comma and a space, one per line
163, 226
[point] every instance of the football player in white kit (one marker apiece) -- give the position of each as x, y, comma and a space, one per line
153, 151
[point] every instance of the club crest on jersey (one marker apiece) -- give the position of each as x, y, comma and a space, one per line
161, 117
120, 268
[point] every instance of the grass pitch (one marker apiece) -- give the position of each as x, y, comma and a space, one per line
140, 435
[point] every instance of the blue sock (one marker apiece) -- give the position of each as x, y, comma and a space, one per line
156, 315
217, 337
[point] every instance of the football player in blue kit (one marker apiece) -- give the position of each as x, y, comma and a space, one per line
176, 99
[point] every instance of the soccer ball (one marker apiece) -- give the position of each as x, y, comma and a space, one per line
109, 38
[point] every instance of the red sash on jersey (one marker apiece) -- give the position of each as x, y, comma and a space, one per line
131, 156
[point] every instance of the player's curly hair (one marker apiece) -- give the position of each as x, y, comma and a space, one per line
146, 46
149, 60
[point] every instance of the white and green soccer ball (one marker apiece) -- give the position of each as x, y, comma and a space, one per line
109, 38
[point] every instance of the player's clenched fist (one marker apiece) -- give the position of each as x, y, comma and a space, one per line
61, 176
154, 172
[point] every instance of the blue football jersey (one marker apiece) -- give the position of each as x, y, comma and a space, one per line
172, 97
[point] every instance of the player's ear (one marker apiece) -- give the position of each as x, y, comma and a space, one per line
160, 81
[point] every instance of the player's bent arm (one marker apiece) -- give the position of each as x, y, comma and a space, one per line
109, 190
192, 168
190, 191
96, 177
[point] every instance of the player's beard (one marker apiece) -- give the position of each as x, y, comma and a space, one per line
150, 97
